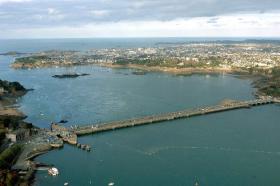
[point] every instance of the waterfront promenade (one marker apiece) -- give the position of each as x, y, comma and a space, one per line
226, 106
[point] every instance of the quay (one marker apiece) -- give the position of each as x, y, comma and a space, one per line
227, 106
63, 132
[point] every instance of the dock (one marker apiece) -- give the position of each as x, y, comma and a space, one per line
109, 126
64, 133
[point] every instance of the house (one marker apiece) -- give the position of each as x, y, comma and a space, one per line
2, 91
12, 137
18, 135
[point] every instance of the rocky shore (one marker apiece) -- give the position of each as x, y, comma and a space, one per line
268, 84
10, 120
9, 92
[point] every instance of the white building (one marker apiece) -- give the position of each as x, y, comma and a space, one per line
18, 135
2, 90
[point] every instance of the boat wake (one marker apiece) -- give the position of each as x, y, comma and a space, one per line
156, 151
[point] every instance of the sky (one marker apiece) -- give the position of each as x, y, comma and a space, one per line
139, 18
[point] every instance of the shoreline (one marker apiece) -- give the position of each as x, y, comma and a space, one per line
256, 76
171, 70
46, 65
12, 123
175, 70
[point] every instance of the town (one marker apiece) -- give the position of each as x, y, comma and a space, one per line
246, 55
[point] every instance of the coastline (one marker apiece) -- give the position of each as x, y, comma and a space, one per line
46, 65
171, 70
11, 119
256, 75
12, 123
177, 71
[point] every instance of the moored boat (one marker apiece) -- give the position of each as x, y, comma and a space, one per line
53, 171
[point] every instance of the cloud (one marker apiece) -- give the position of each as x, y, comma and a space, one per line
52, 11
237, 25
13, 1
99, 13
45, 14
87, 11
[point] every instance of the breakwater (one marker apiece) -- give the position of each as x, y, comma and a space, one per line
103, 127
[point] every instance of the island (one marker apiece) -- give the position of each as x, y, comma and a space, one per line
12, 53
139, 72
70, 75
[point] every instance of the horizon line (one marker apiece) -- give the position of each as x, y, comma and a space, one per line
151, 37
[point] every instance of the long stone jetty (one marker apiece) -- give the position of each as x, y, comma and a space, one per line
231, 105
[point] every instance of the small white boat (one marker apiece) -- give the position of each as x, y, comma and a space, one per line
53, 171
66, 183
111, 184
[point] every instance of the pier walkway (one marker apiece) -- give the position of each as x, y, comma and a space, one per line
232, 105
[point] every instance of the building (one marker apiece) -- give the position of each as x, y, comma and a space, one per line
2, 91
18, 135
